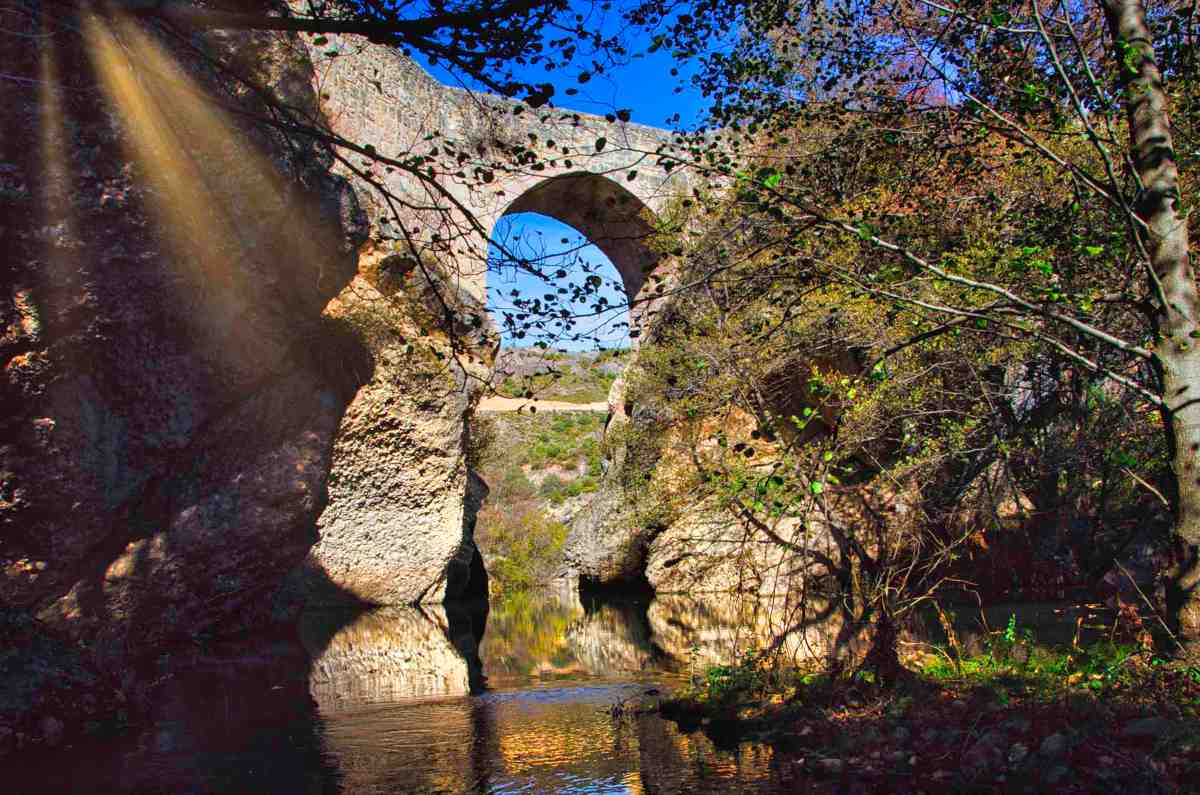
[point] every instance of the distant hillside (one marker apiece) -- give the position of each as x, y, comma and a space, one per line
540, 469
575, 377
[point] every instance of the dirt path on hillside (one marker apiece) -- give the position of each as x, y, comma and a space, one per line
497, 404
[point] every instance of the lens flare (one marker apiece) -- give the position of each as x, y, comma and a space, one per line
59, 223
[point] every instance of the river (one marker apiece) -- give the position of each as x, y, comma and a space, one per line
452, 699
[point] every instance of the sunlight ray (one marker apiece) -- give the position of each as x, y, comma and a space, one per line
222, 206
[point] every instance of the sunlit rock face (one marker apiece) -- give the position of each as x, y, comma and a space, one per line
709, 552
399, 524
607, 544
385, 654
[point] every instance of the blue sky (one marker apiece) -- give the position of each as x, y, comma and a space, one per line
544, 235
644, 85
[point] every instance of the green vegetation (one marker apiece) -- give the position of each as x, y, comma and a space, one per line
571, 387
558, 491
1011, 663
565, 439
568, 377
1017, 716
523, 548
520, 538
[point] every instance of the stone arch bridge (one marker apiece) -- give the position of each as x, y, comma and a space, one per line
399, 525
518, 159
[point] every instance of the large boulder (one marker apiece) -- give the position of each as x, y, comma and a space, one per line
399, 525
605, 543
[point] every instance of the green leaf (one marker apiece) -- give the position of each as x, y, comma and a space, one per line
320, 41
773, 180
1094, 251
816, 488
601, 143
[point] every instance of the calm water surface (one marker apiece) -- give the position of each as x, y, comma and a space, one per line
450, 700
432, 700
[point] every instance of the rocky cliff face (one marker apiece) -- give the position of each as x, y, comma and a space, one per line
168, 414
186, 405
398, 528
608, 541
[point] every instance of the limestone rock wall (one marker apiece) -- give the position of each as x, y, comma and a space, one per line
169, 401
399, 523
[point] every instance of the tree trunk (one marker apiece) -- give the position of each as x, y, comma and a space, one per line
1160, 206
882, 657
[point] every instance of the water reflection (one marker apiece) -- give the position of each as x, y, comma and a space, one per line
697, 631
394, 700
555, 635
554, 664
545, 739
389, 654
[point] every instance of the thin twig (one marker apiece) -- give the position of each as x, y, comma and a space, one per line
1149, 604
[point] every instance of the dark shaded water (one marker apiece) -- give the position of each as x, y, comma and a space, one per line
412, 701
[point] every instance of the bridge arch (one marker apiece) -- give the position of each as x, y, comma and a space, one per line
607, 214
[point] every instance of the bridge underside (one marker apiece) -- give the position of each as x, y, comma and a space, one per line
609, 216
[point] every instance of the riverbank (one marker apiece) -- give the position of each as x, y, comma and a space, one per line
1102, 719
